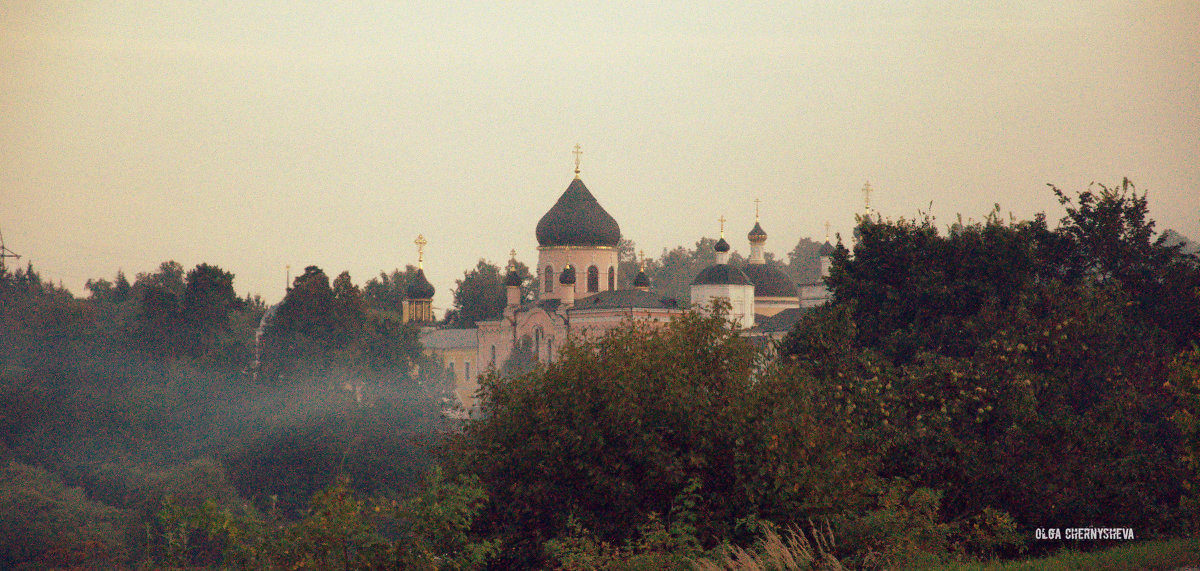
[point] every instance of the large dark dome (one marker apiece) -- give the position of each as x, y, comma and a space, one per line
419, 287
578, 220
721, 274
770, 282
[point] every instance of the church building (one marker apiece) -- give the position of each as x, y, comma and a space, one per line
578, 297
577, 283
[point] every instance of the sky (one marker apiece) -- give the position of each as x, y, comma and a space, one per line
259, 136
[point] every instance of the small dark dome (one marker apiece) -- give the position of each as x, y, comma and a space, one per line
512, 279
826, 249
721, 274
577, 220
419, 287
641, 280
757, 234
721, 245
567, 277
770, 282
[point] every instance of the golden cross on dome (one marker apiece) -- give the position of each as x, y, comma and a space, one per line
826, 230
722, 221
642, 260
420, 242
577, 152
756, 201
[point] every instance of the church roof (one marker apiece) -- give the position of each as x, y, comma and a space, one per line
721, 245
443, 339
577, 219
721, 274
769, 281
419, 287
757, 234
783, 321
512, 278
826, 249
626, 298
567, 277
642, 280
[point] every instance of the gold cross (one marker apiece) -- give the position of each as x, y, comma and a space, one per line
756, 209
826, 230
577, 152
642, 260
722, 221
420, 242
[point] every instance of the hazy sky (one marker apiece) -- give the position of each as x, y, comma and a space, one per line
257, 135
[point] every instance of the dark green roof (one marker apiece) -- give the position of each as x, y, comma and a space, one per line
721, 245
769, 281
721, 274
626, 298
642, 280
783, 321
512, 279
567, 277
577, 219
826, 249
419, 287
757, 234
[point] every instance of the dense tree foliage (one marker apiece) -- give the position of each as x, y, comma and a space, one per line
480, 294
148, 390
964, 387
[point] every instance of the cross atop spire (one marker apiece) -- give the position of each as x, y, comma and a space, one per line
420, 242
642, 260
826, 230
722, 221
577, 152
867, 195
756, 201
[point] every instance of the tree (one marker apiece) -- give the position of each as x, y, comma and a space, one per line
386, 293
804, 262
1108, 237
480, 294
1020, 354
208, 300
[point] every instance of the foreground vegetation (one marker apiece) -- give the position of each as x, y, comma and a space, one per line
961, 391
1144, 556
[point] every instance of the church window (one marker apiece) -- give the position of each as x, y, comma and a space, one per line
593, 279
493, 361
467, 370
612, 278
450, 367
537, 343
549, 279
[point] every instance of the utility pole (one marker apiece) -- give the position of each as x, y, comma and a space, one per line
6, 253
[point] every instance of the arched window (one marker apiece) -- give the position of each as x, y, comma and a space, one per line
549, 279
466, 370
493, 361
612, 278
537, 343
450, 367
593, 279
549, 349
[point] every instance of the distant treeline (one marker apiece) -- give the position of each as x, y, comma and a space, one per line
965, 387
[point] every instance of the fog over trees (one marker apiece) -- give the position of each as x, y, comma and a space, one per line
966, 385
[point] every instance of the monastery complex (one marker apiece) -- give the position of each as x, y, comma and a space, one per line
578, 296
